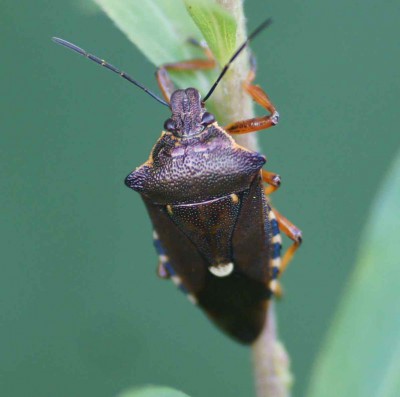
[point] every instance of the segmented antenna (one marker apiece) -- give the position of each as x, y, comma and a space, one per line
264, 25
107, 65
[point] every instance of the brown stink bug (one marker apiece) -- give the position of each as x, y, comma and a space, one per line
215, 232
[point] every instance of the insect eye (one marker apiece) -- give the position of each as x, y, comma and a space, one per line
207, 118
170, 125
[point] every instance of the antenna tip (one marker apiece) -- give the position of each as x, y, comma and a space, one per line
69, 45
57, 40
268, 22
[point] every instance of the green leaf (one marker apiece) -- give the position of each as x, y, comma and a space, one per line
152, 391
217, 25
160, 29
361, 356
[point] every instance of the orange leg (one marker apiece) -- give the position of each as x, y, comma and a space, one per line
294, 233
273, 180
163, 79
260, 97
165, 83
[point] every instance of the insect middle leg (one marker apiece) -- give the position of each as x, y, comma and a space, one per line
260, 97
163, 78
273, 180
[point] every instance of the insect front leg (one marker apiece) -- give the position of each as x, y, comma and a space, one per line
260, 97
165, 83
164, 80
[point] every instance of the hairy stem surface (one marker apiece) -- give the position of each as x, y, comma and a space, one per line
270, 359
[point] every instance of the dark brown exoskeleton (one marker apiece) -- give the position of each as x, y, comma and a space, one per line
216, 234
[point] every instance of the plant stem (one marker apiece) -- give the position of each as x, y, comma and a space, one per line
270, 359
239, 106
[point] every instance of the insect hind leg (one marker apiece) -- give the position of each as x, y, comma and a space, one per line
294, 233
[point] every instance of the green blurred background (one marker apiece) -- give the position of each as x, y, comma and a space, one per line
82, 312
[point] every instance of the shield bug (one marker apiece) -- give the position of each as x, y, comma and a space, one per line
215, 232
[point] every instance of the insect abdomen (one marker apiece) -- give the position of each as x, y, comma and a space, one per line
237, 303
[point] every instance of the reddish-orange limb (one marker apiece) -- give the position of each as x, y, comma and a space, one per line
203, 45
193, 64
165, 83
294, 233
268, 190
273, 180
163, 79
257, 123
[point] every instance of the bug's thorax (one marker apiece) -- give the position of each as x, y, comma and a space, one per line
195, 168
194, 160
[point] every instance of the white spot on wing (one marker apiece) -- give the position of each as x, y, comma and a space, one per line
176, 280
221, 270
276, 239
273, 286
271, 215
192, 299
276, 263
